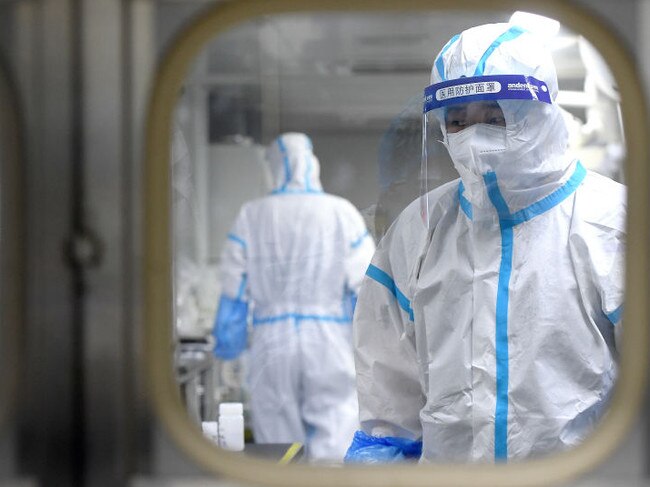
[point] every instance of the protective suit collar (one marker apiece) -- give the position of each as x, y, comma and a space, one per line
528, 156
294, 167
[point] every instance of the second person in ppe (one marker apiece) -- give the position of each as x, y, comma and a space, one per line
293, 263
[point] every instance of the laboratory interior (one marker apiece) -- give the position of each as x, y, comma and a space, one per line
81, 404
353, 83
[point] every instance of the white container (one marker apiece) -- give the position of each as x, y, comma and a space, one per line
211, 431
231, 426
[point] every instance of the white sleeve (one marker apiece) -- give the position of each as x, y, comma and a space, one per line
597, 242
233, 259
388, 384
361, 247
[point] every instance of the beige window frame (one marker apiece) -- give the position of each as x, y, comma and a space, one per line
158, 271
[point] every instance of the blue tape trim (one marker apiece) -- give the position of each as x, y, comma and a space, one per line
285, 159
465, 205
242, 286
615, 316
501, 331
507, 221
479, 88
496, 198
510, 34
385, 280
360, 240
235, 238
537, 208
440, 64
308, 173
552, 199
502, 353
300, 317
297, 191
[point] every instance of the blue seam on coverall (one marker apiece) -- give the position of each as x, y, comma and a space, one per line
538, 207
300, 317
360, 240
440, 65
296, 191
385, 280
465, 205
308, 174
285, 159
239, 240
501, 332
506, 222
552, 199
510, 34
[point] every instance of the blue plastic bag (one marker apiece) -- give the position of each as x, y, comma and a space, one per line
230, 328
374, 449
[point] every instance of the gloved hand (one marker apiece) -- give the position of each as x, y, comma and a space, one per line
230, 328
369, 449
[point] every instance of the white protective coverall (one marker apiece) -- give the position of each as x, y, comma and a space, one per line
298, 257
489, 331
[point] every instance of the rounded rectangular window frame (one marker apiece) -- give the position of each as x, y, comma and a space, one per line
158, 258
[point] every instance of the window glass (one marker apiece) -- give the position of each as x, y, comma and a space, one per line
298, 141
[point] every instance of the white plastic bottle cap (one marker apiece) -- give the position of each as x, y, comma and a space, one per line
231, 408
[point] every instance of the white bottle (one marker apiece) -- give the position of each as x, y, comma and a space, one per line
231, 426
211, 431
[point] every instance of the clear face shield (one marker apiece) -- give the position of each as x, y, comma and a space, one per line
478, 120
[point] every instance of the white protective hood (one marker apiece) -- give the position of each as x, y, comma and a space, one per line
294, 167
534, 162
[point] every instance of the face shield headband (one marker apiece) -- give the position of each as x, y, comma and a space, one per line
440, 97
485, 88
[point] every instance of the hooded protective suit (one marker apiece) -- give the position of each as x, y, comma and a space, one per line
486, 326
293, 263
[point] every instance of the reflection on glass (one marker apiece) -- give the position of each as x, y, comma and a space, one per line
486, 326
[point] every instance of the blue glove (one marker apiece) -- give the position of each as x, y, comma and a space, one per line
349, 303
373, 449
230, 328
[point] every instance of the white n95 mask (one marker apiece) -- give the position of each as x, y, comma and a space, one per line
477, 148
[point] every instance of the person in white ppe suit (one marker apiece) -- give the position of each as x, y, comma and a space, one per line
487, 326
293, 263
